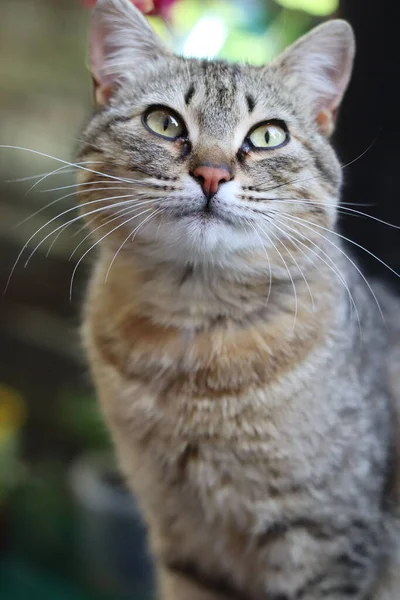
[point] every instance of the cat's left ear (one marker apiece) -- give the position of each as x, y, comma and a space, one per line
121, 40
318, 67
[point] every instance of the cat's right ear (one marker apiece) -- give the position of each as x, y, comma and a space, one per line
120, 40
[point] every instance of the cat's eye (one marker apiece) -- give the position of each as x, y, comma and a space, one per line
268, 136
164, 122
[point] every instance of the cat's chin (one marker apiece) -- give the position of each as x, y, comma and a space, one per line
198, 237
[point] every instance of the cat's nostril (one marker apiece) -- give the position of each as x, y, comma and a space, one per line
210, 178
199, 179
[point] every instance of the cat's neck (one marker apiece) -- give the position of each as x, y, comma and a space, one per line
196, 297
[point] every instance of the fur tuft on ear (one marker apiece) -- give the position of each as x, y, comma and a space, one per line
120, 40
319, 66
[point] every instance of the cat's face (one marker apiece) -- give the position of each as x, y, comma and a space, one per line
218, 161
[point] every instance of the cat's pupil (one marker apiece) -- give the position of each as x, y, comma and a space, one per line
267, 137
166, 123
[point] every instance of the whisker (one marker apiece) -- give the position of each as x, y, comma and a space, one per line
75, 185
332, 267
141, 183
98, 242
303, 221
76, 165
321, 203
294, 259
114, 218
162, 221
362, 153
134, 233
131, 234
102, 208
118, 212
75, 193
266, 254
62, 171
55, 239
354, 244
288, 271
260, 199
93, 219
48, 175
342, 167
341, 209
57, 217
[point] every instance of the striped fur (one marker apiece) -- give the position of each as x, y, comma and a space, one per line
248, 397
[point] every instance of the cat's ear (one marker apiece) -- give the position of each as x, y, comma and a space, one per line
120, 40
318, 67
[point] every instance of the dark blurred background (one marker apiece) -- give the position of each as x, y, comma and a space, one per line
68, 529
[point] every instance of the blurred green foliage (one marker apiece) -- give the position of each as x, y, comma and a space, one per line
79, 417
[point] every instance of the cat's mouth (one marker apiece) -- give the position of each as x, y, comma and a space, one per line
207, 215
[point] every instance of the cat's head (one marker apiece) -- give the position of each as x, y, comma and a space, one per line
210, 162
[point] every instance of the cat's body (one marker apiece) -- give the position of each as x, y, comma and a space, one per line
245, 381
275, 478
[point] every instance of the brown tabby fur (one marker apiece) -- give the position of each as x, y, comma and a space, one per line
251, 410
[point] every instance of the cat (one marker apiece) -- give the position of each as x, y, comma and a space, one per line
238, 352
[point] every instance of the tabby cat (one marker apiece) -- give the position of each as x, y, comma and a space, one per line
239, 355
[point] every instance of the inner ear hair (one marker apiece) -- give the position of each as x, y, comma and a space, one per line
326, 121
101, 93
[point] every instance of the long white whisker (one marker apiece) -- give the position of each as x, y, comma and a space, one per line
76, 165
340, 209
58, 228
114, 218
131, 234
75, 193
102, 208
162, 222
266, 254
274, 187
288, 271
360, 155
332, 267
98, 242
44, 177
319, 175
118, 212
85, 183
93, 219
152, 185
55, 239
65, 170
304, 221
303, 200
134, 233
354, 244
290, 238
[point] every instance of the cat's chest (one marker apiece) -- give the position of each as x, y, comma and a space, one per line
232, 414
230, 450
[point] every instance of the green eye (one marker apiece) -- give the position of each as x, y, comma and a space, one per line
268, 135
165, 123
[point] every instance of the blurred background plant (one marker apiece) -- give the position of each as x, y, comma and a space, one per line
67, 527
12, 414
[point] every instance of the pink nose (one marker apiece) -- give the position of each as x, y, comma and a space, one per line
210, 178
